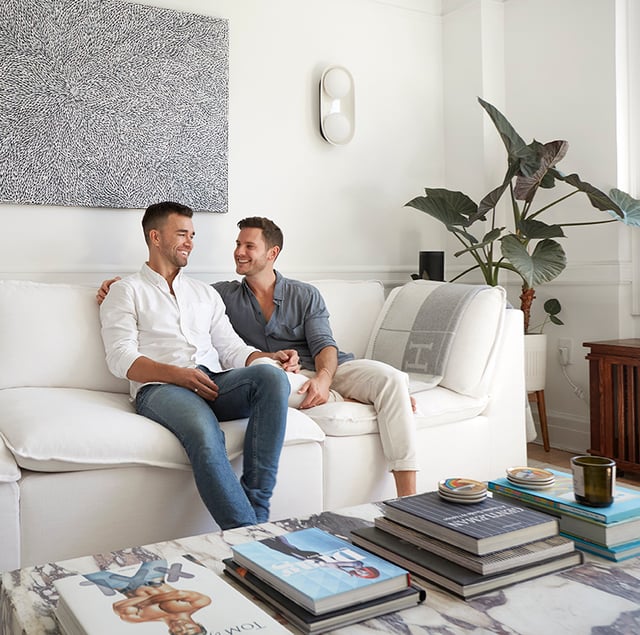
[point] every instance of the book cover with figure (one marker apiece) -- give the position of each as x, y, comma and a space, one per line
320, 571
159, 597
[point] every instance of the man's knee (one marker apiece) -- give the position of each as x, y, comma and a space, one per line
272, 377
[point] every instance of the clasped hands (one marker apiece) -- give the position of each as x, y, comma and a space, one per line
198, 381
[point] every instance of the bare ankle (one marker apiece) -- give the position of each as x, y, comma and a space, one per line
405, 482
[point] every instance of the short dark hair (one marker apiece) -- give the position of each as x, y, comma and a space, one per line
271, 233
155, 215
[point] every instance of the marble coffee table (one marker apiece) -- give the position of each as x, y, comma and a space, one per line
597, 597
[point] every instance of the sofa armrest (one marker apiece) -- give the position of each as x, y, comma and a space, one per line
9, 470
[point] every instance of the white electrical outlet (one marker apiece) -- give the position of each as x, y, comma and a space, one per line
565, 346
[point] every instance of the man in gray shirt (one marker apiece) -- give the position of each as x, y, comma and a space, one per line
272, 312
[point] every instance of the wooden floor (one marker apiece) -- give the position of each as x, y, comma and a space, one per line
562, 460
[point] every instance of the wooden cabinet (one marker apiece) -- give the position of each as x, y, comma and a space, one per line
614, 389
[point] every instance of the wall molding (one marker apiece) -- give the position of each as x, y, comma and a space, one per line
577, 274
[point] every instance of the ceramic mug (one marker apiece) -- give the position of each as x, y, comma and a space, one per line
594, 480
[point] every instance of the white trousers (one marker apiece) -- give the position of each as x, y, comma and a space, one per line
386, 389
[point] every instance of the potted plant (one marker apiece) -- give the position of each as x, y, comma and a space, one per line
528, 247
535, 348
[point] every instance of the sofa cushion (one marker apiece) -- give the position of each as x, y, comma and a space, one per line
353, 308
437, 406
466, 341
66, 429
441, 405
59, 325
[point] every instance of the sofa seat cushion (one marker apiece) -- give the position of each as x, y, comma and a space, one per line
440, 406
437, 406
66, 429
9, 471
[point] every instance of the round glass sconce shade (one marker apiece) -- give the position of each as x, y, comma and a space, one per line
337, 82
337, 127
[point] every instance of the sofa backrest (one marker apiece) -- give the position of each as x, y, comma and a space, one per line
353, 307
59, 325
50, 336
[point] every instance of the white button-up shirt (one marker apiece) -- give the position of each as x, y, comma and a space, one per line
141, 318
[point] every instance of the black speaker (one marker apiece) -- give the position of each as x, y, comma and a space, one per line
431, 265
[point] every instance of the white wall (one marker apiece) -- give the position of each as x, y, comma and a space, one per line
341, 208
556, 80
562, 84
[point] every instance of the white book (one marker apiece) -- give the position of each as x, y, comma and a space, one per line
157, 598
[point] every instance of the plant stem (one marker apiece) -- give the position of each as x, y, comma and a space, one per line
526, 300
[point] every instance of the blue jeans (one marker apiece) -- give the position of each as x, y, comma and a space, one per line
258, 392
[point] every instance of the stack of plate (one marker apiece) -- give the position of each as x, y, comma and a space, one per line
530, 477
462, 490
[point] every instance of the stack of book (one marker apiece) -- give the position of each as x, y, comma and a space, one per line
318, 581
467, 549
610, 532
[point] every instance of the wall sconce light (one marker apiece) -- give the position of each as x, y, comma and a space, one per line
337, 111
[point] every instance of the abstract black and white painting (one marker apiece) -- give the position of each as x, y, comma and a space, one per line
106, 103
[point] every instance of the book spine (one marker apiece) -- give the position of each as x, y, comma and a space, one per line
545, 503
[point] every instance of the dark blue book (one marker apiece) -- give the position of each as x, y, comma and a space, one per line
449, 575
320, 571
559, 499
479, 528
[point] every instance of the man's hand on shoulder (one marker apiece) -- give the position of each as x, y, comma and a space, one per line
101, 294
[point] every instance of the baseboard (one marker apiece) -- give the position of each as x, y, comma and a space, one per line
566, 432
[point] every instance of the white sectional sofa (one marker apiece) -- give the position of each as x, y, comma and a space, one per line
81, 473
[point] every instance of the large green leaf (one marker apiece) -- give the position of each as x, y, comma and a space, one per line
546, 263
629, 207
596, 197
449, 207
518, 151
533, 229
513, 142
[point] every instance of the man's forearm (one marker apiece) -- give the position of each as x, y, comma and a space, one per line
145, 370
326, 361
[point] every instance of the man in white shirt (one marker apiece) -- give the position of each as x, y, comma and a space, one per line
188, 369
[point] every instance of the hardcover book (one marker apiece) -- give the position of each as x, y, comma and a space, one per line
320, 571
449, 575
609, 535
480, 528
491, 563
157, 597
617, 553
306, 621
559, 498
